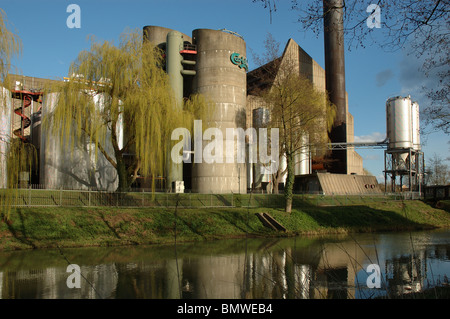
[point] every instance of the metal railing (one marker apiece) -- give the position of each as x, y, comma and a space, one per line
33, 197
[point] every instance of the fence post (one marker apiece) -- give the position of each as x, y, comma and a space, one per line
89, 197
60, 196
29, 196
232, 203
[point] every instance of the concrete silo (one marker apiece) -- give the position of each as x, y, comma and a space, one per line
221, 76
179, 59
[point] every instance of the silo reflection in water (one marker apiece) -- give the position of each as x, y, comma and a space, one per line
304, 268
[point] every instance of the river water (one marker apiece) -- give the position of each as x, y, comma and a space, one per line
301, 267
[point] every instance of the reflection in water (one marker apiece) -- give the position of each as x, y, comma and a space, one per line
406, 274
409, 273
305, 268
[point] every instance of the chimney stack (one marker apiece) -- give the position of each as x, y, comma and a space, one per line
335, 79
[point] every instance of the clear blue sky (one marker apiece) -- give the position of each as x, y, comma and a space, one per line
372, 75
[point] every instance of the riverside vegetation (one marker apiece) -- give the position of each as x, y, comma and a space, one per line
51, 227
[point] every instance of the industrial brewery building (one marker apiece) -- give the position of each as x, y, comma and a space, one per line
209, 62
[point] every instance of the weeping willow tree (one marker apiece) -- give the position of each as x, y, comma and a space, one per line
118, 100
10, 46
16, 156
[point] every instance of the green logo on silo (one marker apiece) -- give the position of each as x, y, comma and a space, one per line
239, 60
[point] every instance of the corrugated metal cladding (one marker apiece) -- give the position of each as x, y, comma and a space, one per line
337, 184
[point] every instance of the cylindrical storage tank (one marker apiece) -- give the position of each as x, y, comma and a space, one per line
261, 117
71, 166
5, 133
106, 177
55, 159
399, 123
221, 77
303, 158
415, 125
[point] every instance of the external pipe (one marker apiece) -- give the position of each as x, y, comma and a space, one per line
174, 69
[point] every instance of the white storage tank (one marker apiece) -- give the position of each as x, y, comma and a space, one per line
415, 125
399, 122
64, 167
5, 132
303, 158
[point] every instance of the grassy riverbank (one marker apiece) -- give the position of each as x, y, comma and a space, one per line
76, 227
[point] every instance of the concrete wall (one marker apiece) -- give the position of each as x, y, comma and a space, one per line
225, 84
310, 69
354, 160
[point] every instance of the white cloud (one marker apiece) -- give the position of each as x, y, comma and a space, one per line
371, 158
373, 137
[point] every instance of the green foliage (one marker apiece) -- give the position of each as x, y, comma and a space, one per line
16, 156
20, 159
10, 46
